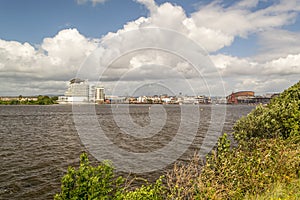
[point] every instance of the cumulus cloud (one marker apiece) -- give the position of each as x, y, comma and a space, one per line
239, 20
230, 65
248, 74
277, 43
213, 27
179, 39
57, 59
150, 4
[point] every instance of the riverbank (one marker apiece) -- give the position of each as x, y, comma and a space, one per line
267, 154
39, 100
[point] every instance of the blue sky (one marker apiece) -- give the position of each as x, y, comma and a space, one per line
252, 43
33, 20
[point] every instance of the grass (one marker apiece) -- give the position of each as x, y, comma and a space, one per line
279, 190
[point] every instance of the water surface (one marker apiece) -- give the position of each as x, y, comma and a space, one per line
38, 143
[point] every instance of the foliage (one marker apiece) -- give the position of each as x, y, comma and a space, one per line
45, 100
182, 180
278, 119
90, 182
156, 191
279, 190
100, 182
240, 171
41, 100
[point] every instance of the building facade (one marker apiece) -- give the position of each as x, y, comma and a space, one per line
240, 97
77, 92
99, 94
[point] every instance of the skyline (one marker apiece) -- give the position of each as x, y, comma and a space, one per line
254, 45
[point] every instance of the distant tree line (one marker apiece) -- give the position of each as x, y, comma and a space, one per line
41, 100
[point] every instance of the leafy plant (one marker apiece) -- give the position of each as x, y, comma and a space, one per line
100, 183
156, 191
88, 182
281, 118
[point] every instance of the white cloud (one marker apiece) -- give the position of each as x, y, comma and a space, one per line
240, 21
150, 4
247, 4
212, 27
263, 86
277, 43
231, 66
57, 59
68, 47
288, 65
247, 74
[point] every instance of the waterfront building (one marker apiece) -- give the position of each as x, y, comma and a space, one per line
99, 94
166, 99
219, 100
240, 97
190, 100
77, 92
247, 97
116, 100
142, 99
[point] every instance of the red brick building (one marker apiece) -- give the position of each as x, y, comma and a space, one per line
239, 97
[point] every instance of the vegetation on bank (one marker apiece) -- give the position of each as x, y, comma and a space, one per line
41, 100
264, 165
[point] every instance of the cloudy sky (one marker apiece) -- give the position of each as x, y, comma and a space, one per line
191, 46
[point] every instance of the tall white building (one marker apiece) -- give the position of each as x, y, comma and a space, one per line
78, 91
99, 94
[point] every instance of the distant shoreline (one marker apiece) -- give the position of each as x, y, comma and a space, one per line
39, 100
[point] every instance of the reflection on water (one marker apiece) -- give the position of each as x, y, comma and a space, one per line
38, 143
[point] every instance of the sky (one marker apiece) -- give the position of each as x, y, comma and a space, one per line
210, 47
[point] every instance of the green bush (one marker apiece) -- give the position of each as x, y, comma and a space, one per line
42, 100
100, 182
280, 118
90, 182
45, 100
237, 172
156, 191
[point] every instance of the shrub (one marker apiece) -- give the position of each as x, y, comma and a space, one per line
100, 182
280, 191
235, 173
90, 182
239, 171
156, 191
280, 118
182, 180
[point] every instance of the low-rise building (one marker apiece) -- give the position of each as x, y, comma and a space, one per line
240, 97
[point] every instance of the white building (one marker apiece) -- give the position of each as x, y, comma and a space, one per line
99, 94
77, 92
